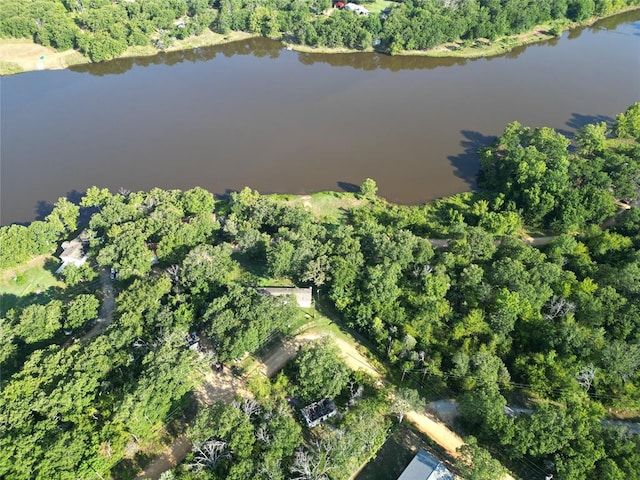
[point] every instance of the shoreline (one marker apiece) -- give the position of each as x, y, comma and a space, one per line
23, 55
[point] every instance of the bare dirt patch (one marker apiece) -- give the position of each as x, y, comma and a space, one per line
169, 458
284, 351
437, 431
30, 56
221, 387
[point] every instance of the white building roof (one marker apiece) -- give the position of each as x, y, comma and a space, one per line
425, 467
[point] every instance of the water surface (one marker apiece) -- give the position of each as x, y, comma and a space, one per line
253, 113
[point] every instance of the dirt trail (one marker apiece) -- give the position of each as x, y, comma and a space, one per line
169, 458
108, 305
217, 387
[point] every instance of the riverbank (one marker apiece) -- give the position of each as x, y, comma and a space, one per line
481, 47
23, 55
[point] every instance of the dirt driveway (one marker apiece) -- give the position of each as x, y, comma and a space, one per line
287, 349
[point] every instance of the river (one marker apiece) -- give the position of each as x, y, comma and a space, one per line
253, 113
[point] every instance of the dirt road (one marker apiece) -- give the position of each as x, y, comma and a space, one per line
223, 387
217, 387
436, 431
169, 458
284, 351
108, 305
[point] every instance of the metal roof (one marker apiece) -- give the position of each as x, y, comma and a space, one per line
425, 467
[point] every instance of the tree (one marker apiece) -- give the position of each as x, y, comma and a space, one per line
82, 308
75, 275
476, 463
40, 322
585, 376
95, 197
405, 400
198, 200
628, 123
319, 370
64, 216
592, 138
207, 455
317, 272
207, 266
368, 189
314, 464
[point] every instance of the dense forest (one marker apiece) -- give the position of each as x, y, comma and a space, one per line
103, 29
450, 295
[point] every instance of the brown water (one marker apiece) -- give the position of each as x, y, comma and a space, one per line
253, 113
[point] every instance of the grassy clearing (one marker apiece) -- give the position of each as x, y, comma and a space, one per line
329, 207
378, 6
394, 456
10, 68
31, 278
206, 39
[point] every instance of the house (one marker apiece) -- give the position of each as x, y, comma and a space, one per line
74, 251
317, 412
425, 467
357, 9
302, 295
339, 4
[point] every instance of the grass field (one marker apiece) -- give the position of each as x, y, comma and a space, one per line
31, 278
327, 206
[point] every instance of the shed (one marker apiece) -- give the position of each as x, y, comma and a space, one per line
425, 467
317, 412
302, 295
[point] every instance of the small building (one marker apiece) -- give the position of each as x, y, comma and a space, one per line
302, 295
193, 341
357, 9
425, 467
339, 5
317, 412
74, 251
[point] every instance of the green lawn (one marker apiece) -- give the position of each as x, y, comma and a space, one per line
29, 279
378, 5
326, 206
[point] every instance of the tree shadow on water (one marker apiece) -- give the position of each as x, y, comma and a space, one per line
467, 163
43, 209
348, 187
577, 120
